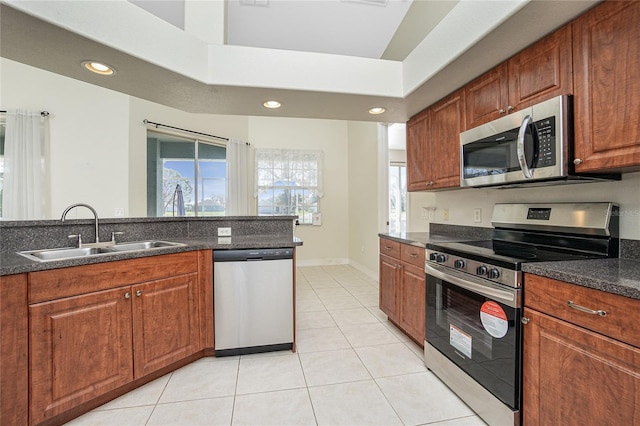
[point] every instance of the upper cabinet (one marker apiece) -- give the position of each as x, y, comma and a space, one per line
540, 72
446, 122
433, 145
418, 158
606, 52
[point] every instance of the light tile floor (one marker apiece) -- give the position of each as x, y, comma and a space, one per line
352, 367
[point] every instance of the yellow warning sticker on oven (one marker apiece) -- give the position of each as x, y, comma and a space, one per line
494, 319
460, 340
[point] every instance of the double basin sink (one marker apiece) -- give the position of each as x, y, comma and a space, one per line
80, 252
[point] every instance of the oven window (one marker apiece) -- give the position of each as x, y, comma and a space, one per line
479, 335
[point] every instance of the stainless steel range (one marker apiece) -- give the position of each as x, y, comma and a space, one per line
475, 291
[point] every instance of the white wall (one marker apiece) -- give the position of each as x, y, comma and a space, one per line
363, 196
461, 202
328, 243
98, 155
89, 136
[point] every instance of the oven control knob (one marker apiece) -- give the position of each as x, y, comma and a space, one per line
441, 258
493, 274
458, 264
433, 256
481, 270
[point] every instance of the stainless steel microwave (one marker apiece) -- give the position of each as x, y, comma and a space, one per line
532, 145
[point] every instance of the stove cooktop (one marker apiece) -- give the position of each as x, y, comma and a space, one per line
503, 254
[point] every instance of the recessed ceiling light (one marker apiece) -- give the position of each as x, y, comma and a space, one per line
98, 68
272, 104
377, 110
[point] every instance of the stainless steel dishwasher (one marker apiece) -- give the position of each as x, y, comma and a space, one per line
253, 300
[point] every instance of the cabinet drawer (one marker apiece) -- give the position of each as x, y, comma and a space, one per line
552, 297
66, 282
390, 248
412, 254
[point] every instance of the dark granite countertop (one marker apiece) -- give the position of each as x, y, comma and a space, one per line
617, 276
421, 239
13, 263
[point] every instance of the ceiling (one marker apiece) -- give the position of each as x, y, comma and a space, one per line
400, 54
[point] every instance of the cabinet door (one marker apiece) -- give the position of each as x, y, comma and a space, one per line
389, 276
607, 87
542, 71
487, 97
446, 122
81, 347
164, 322
14, 350
572, 376
412, 301
418, 155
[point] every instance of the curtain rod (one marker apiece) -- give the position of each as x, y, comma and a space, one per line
145, 121
42, 113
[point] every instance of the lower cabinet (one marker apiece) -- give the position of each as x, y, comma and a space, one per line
402, 286
81, 347
578, 367
85, 345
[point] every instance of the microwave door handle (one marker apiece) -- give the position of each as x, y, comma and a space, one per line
526, 171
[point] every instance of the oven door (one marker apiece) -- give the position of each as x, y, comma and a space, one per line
477, 327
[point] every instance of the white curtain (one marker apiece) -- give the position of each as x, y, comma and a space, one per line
237, 203
24, 195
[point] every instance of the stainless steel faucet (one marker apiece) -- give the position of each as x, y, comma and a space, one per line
95, 216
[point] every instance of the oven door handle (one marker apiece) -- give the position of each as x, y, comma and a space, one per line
471, 283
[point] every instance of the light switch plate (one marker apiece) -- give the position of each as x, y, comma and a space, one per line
316, 219
224, 232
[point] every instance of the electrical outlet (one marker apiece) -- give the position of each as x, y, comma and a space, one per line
432, 215
118, 212
224, 232
445, 214
477, 215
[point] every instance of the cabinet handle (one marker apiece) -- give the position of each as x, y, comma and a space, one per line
501, 111
524, 320
577, 161
127, 295
388, 247
138, 293
509, 108
413, 254
600, 312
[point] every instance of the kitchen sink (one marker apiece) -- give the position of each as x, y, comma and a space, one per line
140, 245
59, 254
75, 253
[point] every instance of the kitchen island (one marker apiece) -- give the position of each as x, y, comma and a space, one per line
81, 331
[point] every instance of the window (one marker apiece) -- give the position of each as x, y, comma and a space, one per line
397, 197
289, 183
198, 167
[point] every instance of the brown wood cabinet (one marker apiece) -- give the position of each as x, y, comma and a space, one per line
403, 286
418, 153
579, 368
102, 326
607, 84
539, 72
389, 278
14, 350
433, 145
